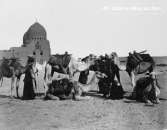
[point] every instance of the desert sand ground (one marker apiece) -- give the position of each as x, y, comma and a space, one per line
96, 113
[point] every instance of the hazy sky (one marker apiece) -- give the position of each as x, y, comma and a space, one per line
88, 26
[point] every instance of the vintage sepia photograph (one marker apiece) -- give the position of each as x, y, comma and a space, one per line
83, 65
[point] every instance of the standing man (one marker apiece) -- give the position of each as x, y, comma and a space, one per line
115, 66
29, 80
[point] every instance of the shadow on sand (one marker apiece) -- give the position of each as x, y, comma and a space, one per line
129, 99
5, 96
95, 94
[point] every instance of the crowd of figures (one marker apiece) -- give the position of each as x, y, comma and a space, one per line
106, 73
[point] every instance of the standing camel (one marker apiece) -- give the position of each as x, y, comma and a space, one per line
12, 68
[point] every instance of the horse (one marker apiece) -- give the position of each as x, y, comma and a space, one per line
12, 68
139, 63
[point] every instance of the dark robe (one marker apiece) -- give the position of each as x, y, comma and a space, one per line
29, 80
83, 77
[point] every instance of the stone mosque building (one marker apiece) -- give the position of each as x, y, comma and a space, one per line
34, 43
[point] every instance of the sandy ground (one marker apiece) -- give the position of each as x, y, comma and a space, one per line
93, 114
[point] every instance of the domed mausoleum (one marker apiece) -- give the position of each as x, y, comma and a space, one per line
34, 43
35, 32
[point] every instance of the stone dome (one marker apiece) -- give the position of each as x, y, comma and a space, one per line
35, 32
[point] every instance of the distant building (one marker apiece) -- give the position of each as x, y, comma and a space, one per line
34, 43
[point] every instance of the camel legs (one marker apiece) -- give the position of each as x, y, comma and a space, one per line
1, 80
132, 76
17, 87
118, 77
45, 88
47, 84
12, 85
